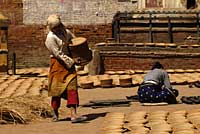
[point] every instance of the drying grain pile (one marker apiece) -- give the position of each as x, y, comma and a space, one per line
24, 109
157, 122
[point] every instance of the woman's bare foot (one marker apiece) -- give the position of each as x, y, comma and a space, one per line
78, 119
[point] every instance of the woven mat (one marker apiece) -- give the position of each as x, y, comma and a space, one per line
154, 104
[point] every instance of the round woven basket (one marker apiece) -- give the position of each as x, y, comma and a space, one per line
171, 45
138, 71
139, 44
195, 46
106, 81
87, 84
110, 72
125, 81
160, 44
189, 70
179, 70
82, 73
150, 44
183, 46
170, 70
120, 72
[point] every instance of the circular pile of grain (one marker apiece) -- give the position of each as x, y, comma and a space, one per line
157, 122
81, 79
184, 132
139, 44
82, 73
177, 117
164, 127
110, 72
155, 132
150, 44
189, 70
120, 72
179, 70
172, 45
197, 70
183, 46
136, 115
113, 123
195, 46
115, 79
155, 118
182, 126
87, 84
131, 72
136, 122
137, 79
170, 70
160, 44
194, 118
138, 71
179, 79
95, 80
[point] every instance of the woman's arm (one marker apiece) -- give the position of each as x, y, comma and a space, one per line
166, 80
52, 46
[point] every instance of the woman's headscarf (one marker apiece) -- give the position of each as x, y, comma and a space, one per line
157, 65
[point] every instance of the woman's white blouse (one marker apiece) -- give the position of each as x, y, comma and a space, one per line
57, 47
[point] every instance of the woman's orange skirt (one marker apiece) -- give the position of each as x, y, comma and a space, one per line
62, 82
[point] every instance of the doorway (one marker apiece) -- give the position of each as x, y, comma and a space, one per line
191, 4
154, 3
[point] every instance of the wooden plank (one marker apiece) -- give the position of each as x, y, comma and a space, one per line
142, 29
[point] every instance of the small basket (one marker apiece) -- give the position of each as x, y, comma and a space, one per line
106, 82
125, 81
87, 84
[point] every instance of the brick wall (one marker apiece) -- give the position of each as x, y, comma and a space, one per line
125, 63
178, 37
27, 41
28, 44
26, 33
13, 9
126, 56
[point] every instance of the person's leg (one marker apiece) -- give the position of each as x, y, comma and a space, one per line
73, 98
73, 111
75, 118
55, 104
73, 101
148, 94
168, 96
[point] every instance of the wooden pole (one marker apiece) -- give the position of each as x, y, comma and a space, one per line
150, 28
170, 34
14, 64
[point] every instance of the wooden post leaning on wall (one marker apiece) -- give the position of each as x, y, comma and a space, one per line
170, 34
150, 28
14, 64
198, 27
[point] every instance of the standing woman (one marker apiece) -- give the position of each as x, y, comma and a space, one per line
156, 87
62, 81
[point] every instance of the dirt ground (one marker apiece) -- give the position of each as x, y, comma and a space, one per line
96, 116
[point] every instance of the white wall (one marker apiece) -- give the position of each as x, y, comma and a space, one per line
74, 11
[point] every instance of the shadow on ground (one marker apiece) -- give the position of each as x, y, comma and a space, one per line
90, 117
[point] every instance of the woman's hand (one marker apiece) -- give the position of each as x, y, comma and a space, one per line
77, 60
